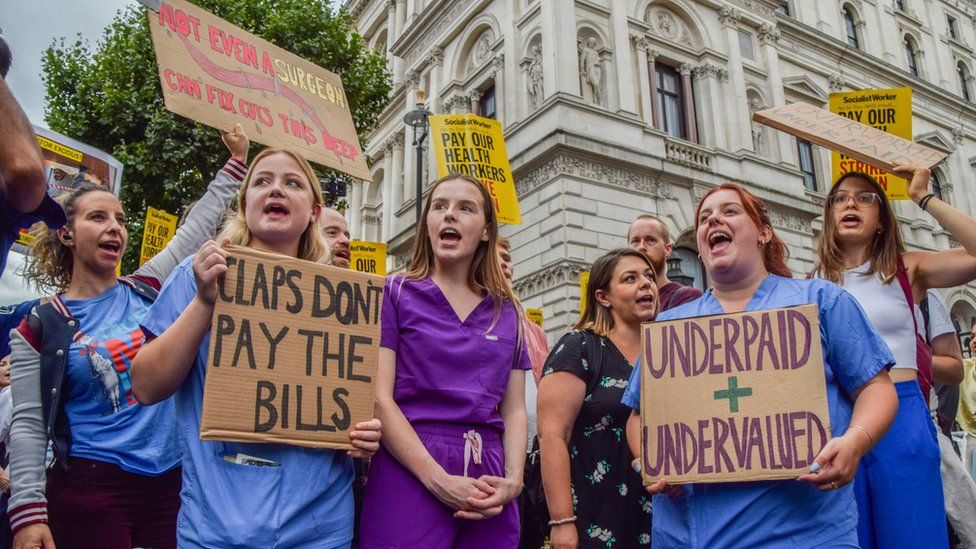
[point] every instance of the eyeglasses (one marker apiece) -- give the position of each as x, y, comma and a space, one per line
839, 200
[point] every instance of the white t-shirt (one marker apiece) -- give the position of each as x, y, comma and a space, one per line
939, 320
886, 308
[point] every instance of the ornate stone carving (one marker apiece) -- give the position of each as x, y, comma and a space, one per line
446, 20
436, 56
550, 277
640, 43
585, 169
958, 134
769, 34
757, 6
790, 221
706, 70
666, 24
481, 50
729, 16
497, 64
836, 82
685, 69
686, 154
758, 145
591, 71
395, 141
535, 77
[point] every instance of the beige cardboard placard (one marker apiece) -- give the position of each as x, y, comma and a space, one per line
733, 397
293, 351
869, 145
218, 74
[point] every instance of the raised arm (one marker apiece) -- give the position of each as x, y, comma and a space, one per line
162, 364
202, 220
948, 268
21, 168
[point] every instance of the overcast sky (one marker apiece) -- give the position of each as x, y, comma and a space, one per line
29, 26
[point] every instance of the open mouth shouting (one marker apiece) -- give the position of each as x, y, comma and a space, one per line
646, 301
719, 240
850, 220
449, 236
341, 252
112, 248
276, 210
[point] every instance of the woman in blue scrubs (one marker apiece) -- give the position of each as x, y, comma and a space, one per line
746, 263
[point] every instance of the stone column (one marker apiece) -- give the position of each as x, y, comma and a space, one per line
624, 63
396, 197
497, 76
685, 71
769, 42
739, 135
356, 209
475, 97
652, 87
436, 61
559, 38
401, 16
387, 194
643, 90
708, 78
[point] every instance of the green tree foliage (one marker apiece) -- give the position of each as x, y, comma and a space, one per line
109, 96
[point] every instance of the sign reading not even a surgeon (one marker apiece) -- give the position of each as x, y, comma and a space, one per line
293, 351
733, 397
217, 73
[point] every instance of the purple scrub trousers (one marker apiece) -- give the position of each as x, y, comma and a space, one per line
451, 376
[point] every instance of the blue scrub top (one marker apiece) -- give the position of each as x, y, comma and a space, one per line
786, 513
305, 500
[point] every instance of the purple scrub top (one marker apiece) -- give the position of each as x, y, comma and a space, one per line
448, 370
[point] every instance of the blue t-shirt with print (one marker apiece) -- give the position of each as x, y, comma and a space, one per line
107, 423
785, 513
303, 499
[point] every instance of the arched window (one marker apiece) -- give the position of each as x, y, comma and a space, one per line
685, 267
936, 183
963, 80
911, 56
850, 25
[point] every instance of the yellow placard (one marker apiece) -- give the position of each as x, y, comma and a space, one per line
465, 143
58, 148
367, 257
156, 234
535, 315
889, 110
584, 282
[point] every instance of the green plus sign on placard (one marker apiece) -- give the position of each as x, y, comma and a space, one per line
733, 393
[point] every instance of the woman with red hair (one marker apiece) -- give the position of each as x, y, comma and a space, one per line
746, 263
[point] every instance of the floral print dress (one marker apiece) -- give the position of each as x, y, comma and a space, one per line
611, 506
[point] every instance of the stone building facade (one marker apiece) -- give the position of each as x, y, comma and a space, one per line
614, 108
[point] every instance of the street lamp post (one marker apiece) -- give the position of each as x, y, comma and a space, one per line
417, 119
676, 274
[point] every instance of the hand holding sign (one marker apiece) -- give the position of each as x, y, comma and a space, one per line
918, 179
209, 265
237, 142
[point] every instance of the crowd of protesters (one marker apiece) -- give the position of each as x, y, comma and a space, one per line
99, 425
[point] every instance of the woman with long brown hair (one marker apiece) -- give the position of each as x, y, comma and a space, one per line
450, 386
861, 249
595, 498
746, 262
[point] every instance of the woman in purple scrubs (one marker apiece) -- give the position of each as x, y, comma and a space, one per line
450, 387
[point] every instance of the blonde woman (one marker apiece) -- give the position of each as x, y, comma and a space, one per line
283, 496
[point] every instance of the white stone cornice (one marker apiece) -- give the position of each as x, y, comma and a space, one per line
565, 272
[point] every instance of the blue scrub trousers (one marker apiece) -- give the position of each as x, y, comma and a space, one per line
898, 486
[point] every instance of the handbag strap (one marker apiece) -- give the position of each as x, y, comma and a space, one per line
902, 275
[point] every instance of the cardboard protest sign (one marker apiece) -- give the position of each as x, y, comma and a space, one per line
368, 257
535, 315
584, 283
733, 397
157, 231
216, 73
465, 143
869, 145
293, 347
888, 110
64, 159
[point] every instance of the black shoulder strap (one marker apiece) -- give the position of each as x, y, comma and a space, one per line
924, 306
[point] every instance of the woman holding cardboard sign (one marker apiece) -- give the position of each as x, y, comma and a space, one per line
861, 249
116, 479
594, 497
246, 494
746, 262
450, 386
